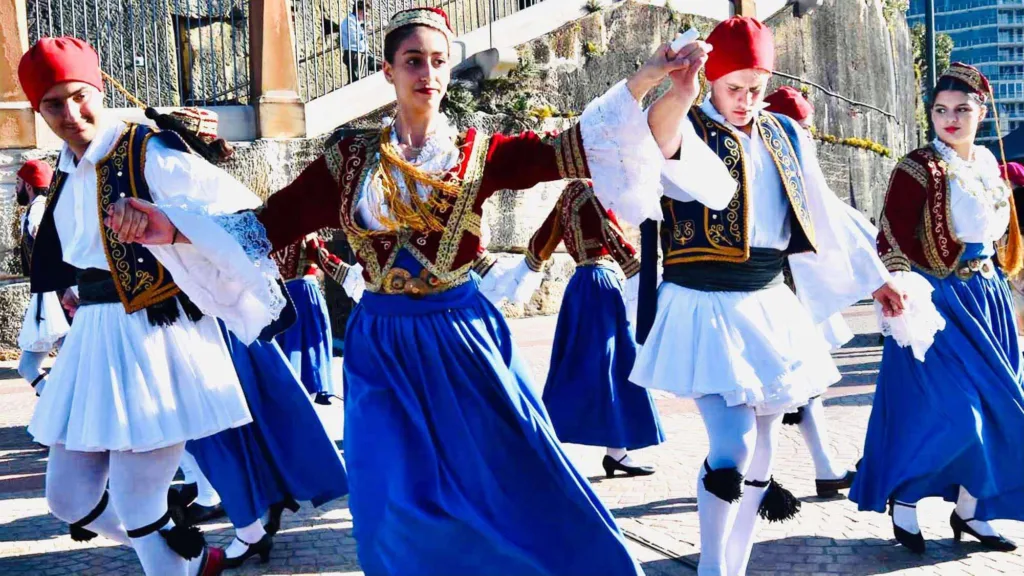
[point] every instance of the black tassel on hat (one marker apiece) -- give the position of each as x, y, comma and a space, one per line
724, 483
778, 504
168, 122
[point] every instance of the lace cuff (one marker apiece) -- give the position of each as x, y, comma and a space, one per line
354, 285
624, 159
510, 279
226, 270
920, 320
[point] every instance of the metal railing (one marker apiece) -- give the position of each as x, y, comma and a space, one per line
333, 48
166, 52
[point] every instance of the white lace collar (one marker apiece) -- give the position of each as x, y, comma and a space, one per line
440, 151
979, 176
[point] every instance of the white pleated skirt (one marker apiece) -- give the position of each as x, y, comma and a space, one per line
44, 323
120, 383
759, 349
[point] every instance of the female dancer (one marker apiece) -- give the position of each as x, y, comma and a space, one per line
588, 393
944, 216
453, 465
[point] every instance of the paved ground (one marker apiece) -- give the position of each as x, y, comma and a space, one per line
658, 513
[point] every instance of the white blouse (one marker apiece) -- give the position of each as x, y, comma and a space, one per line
978, 196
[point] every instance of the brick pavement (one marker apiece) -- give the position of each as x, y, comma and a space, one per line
829, 536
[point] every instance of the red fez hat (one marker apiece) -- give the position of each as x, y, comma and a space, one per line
1013, 172
36, 173
740, 43
52, 61
789, 101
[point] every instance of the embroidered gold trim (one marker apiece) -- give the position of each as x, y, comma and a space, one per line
790, 173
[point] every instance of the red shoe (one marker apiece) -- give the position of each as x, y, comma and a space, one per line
213, 562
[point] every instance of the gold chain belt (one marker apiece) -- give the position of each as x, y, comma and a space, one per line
984, 266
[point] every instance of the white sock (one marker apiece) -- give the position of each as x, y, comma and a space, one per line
966, 505
250, 534
815, 434
157, 557
30, 367
188, 466
732, 434
621, 456
741, 538
906, 517
206, 495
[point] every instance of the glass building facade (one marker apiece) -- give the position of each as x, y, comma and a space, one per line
988, 34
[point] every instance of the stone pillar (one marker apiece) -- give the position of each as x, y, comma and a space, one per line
17, 120
745, 8
280, 112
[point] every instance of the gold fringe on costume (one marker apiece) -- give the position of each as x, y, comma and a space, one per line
416, 214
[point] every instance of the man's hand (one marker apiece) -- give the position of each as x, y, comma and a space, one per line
135, 220
70, 302
687, 62
891, 298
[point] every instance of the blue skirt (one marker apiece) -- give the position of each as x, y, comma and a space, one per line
956, 419
453, 465
588, 393
308, 344
285, 451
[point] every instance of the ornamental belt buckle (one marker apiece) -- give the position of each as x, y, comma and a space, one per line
401, 281
974, 266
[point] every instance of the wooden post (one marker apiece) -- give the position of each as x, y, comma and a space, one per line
746, 8
17, 120
274, 81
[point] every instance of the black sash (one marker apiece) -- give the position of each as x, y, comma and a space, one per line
762, 270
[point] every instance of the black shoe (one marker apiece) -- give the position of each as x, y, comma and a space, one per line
909, 540
324, 399
611, 465
831, 488
197, 513
997, 542
188, 493
261, 549
274, 516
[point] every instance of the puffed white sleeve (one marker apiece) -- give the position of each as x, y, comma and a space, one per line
226, 270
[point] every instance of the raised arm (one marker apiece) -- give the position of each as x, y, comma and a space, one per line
310, 203
544, 241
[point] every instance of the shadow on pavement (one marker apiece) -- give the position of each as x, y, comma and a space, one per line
862, 557
657, 507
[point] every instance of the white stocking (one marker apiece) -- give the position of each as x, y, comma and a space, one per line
189, 467
75, 484
906, 516
205, 494
250, 534
138, 490
815, 434
966, 505
731, 436
741, 540
620, 455
30, 367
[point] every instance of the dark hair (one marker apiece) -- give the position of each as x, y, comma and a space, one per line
358, 5
949, 83
395, 38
